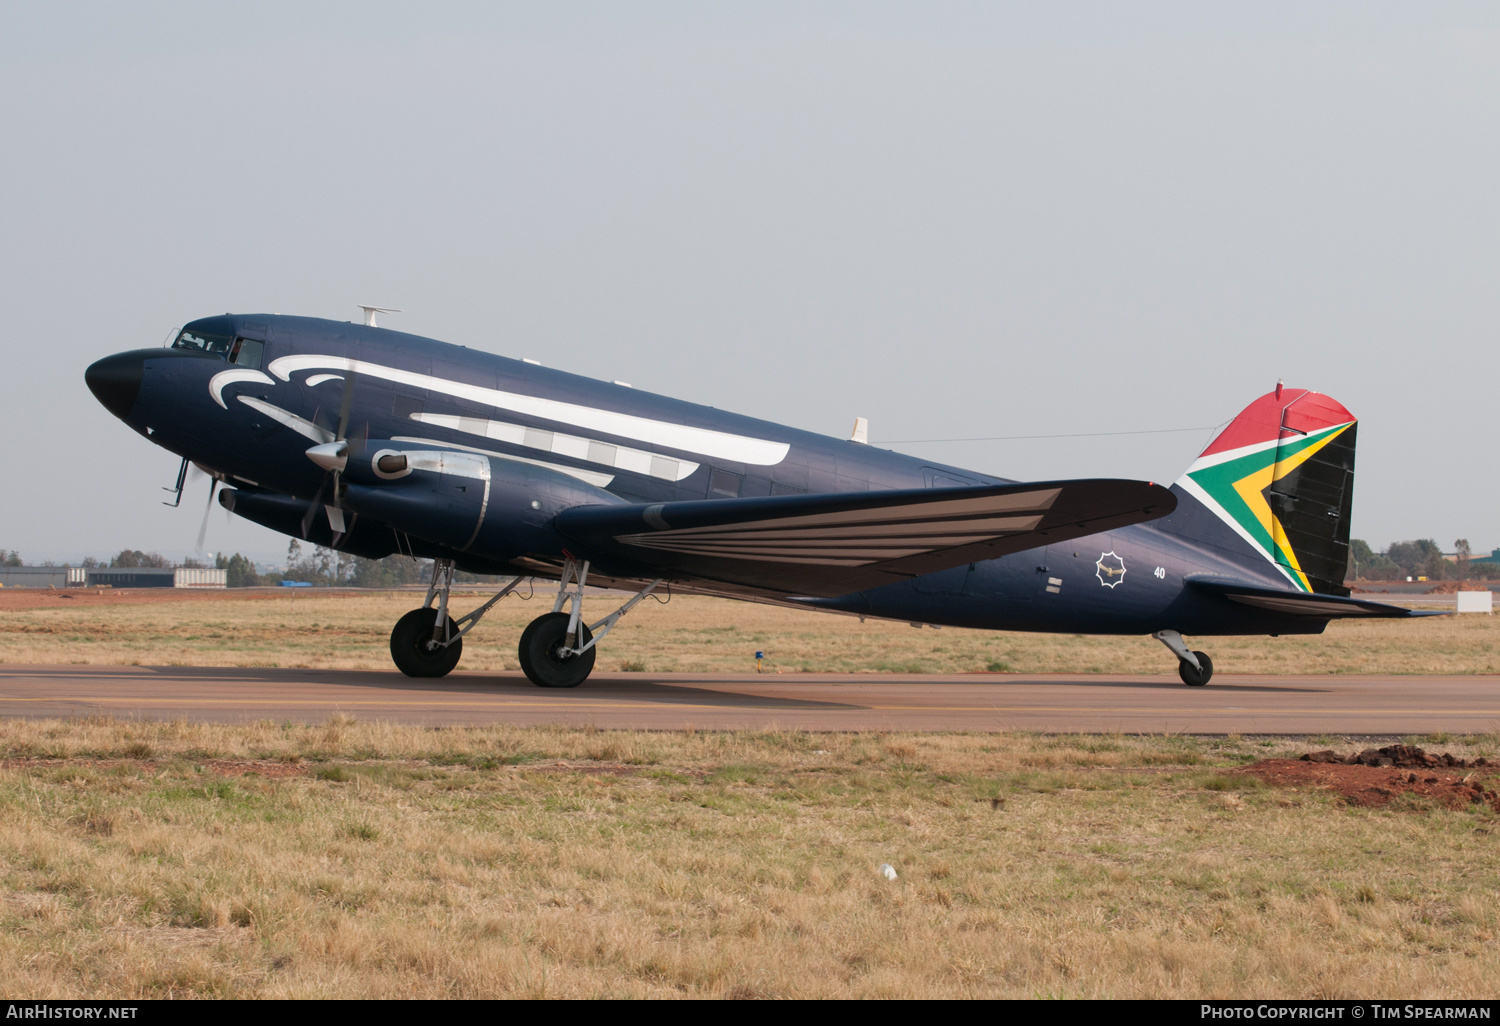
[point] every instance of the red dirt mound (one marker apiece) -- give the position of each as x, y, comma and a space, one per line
1451, 587
1399, 756
1376, 777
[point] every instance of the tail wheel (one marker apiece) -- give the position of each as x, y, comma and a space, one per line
542, 658
1196, 678
410, 641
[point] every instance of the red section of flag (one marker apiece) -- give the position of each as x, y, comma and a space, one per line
1294, 412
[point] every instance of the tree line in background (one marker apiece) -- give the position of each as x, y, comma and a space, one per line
314, 565
1420, 558
326, 568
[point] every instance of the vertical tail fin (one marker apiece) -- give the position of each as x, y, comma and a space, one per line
1281, 477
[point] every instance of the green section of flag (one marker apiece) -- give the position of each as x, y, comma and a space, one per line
1219, 482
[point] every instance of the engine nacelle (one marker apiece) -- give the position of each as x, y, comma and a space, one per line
287, 514
491, 506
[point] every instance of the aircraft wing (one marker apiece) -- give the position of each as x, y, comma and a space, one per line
826, 545
1300, 603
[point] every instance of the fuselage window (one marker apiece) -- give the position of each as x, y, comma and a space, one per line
247, 353
203, 343
722, 482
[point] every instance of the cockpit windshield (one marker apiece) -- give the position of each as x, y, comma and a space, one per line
245, 352
203, 342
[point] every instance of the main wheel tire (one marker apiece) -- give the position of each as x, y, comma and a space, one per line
1196, 678
540, 659
409, 641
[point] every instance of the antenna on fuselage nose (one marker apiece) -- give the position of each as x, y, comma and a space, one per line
371, 311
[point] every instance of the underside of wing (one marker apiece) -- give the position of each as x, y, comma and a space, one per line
1298, 603
828, 545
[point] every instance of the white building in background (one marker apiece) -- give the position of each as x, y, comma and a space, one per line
111, 577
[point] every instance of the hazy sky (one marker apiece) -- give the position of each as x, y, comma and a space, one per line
957, 220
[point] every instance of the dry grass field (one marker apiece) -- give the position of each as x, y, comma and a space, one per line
370, 860
352, 859
349, 630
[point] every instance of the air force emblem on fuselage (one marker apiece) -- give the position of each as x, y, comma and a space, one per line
1110, 569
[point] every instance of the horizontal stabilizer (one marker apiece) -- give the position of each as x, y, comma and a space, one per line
1298, 603
825, 545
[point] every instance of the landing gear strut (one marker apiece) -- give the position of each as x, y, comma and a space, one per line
1195, 668
557, 648
427, 642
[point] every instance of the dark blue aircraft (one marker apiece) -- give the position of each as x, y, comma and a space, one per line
375, 442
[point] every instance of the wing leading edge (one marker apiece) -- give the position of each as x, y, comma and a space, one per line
826, 545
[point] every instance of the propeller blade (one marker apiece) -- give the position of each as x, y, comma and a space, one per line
312, 510
346, 401
341, 432
337, 523
213, 486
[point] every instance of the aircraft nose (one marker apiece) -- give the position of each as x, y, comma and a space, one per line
116, 380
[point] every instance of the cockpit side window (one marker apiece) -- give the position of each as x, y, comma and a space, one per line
202, 342
247, 352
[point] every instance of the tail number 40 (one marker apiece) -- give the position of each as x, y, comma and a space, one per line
1160, 573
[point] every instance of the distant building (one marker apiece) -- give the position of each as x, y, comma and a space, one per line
111, 577
154, 577
42, 576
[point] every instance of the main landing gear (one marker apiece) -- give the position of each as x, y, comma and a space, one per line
1195, 668
427, 642
557, 649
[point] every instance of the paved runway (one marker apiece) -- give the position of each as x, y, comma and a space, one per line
978, 702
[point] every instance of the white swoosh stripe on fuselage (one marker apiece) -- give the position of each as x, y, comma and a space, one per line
592, 477
217, 383
621, 457
717, 444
